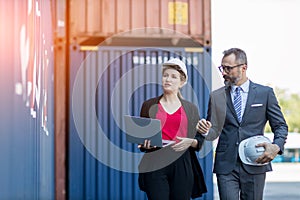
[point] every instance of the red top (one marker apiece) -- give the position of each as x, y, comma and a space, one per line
174, 124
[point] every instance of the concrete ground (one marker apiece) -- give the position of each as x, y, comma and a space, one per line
282, 183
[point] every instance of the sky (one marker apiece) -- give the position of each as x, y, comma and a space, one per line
268, 31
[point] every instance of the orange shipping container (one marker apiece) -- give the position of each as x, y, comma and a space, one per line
141, 18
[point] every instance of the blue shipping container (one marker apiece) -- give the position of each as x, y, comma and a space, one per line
106, 85
27, 100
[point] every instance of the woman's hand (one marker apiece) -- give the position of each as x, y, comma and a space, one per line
184, 143
146, 146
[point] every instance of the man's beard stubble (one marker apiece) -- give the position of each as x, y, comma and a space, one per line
229, 81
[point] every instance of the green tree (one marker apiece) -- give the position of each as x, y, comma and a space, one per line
290, 106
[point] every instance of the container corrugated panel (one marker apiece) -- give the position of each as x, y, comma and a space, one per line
155, 18
27, 100
107, 84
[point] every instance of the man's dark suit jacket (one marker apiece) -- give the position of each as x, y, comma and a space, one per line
261, 106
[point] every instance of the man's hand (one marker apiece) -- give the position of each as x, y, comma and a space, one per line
271, 150
203, 126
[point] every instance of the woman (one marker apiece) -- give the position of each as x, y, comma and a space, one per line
172, 172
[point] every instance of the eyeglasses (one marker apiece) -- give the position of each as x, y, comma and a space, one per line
227, 69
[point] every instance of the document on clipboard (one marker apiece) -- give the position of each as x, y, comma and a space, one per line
138, 129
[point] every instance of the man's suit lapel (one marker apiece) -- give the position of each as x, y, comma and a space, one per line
250, 100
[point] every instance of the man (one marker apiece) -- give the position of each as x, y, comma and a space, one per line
238, 111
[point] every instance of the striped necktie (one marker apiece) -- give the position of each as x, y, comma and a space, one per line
237, 103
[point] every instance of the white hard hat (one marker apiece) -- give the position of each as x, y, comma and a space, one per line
180, 64
248, 151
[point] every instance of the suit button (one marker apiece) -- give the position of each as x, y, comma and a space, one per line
237, 143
